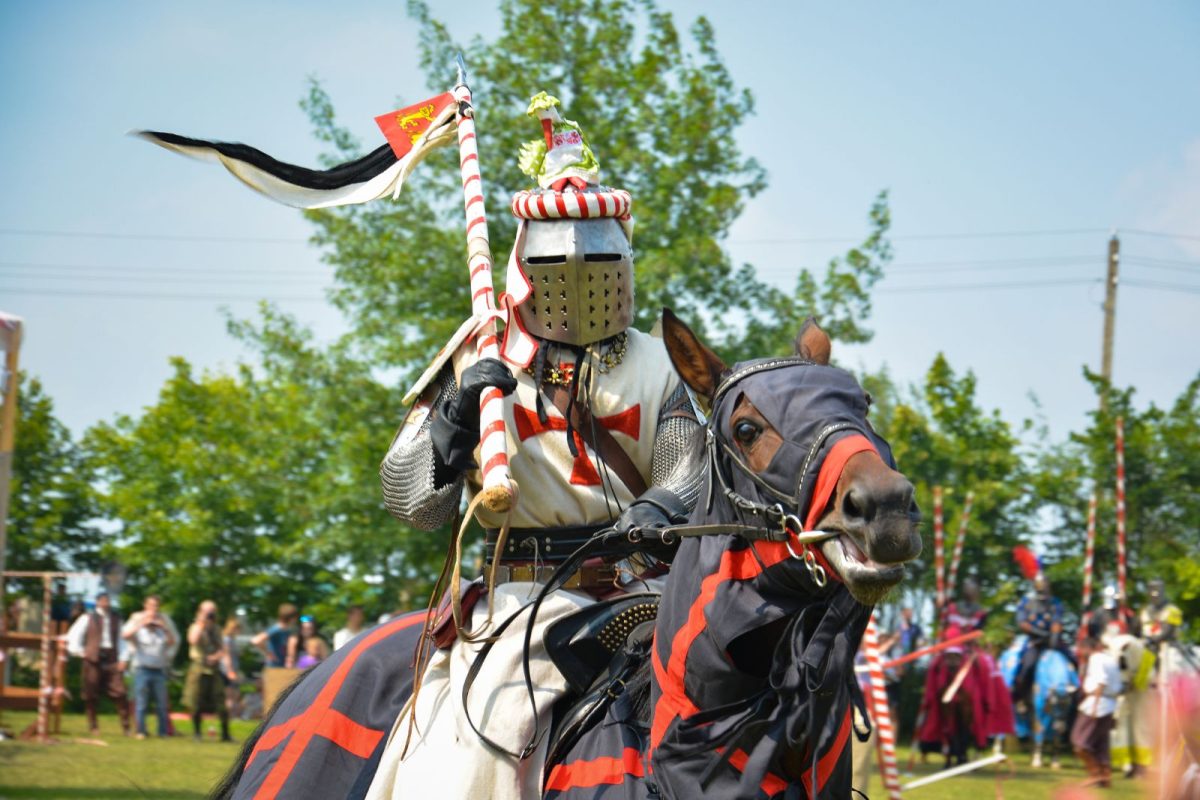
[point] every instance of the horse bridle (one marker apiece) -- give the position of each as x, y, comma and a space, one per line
779, 525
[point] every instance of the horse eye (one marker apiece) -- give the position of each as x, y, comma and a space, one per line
746, 432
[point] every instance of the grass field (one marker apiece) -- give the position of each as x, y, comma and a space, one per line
183, 769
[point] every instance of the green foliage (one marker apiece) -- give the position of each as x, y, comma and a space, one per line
661, 111
1162, 464
258, 487
51, 502
940, 436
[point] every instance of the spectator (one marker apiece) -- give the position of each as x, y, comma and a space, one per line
232, 669
273, 642
1094, 722
907, 637
152, 637
203, 691
315, 651
95, 637
298, 644
354, 626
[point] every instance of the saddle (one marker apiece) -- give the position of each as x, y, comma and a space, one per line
599, 650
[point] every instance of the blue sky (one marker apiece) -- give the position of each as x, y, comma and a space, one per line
979, 118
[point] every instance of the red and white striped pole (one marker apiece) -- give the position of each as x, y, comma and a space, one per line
958, 543
1121, 509
939, 551
497, 489
1089, 554
881, 716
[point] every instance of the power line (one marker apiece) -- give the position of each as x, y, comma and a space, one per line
925, 236
1170, 268
1164, 286
175, 237
164, 237
212, 280
1161, 234
149, 269
1175, 262
961, 287
167, 296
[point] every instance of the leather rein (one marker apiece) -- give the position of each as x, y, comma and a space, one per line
777, 525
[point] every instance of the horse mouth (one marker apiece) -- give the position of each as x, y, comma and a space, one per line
869, 581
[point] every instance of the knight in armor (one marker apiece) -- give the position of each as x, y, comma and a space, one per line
965, 614
600, 433
1160, 620
1039, 616
978, 707
1140, 659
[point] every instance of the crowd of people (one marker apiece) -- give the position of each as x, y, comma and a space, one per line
968, 700
144, 648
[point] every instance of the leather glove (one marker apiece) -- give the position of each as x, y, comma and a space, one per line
454, 430
658, 507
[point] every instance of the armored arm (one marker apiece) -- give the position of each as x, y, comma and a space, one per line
418, 489
677, 463
675, 470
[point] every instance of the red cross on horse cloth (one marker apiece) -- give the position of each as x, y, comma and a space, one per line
583, 471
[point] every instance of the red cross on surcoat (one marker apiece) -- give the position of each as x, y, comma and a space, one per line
583, 472
321, 719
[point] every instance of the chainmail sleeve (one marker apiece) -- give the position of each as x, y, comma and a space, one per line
677, 463
410, 491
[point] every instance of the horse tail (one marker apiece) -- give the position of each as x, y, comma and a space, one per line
225, 788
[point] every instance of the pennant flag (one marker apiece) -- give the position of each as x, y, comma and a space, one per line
377, 174
404, 128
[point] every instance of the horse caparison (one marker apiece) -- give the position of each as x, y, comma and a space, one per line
803, 524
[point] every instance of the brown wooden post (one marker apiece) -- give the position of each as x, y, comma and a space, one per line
46, 680
10, 339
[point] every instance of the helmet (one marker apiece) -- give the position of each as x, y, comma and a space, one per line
573, 245
581, 276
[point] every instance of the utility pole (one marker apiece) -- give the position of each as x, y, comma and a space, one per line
10, 340
1110, 307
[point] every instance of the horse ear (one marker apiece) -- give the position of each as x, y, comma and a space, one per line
813, 343
699, 367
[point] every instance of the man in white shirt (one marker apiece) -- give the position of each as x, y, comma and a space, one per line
1094, 722
354, 626
95, 637
154, 640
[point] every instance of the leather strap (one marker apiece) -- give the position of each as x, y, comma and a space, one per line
588, 576
597, 437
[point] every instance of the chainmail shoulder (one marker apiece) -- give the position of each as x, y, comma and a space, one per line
409, 493
677, 464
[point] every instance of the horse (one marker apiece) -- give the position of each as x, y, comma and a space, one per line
739, 679
1055, 683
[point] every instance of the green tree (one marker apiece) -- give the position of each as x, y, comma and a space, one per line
259, 487
661, 110
1162, 466
940, 436
271, 472
51, 507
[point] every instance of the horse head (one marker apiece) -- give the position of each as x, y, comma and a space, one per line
791, 434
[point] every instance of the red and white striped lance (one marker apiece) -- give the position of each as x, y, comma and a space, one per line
939, 549
881, 716
493, 443
1121, 508
1089, 554
958, 543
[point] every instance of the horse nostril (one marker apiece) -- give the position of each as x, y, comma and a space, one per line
857, 505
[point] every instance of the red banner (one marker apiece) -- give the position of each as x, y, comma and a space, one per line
402, 128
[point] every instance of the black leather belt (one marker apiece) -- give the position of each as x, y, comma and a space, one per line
550, 545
